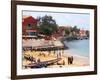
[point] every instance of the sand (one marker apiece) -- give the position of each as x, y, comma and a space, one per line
77, 60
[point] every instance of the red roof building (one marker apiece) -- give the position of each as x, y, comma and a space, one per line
29, 20
29, 24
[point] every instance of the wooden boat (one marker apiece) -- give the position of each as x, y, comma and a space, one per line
43, 64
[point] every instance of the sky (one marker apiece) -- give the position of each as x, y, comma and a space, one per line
81, 20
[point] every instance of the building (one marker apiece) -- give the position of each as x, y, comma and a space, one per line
29, 24
82, 33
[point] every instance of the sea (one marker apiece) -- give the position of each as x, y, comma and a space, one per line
78, 47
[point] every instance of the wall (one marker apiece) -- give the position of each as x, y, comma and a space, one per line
5, 32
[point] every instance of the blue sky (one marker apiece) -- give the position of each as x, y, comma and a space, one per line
82, 21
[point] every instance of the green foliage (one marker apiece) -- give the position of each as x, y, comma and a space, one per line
47, 25
67, 31
75, 29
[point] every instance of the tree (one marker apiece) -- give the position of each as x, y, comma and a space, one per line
47, 25
75, 29
67, 31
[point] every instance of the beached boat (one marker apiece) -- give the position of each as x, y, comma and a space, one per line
42, 64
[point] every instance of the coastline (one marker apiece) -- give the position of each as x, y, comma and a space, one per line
78, 59
46, 55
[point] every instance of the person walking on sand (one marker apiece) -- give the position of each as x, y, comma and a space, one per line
71, 59
68, 60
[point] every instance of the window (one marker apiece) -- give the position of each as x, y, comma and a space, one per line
29, 26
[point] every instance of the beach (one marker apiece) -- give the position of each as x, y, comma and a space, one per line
77, 60
41, 55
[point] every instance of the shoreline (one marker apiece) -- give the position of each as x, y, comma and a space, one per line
78, 59
66, 52
45, 55
80, 47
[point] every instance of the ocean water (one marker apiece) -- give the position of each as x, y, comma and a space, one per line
78, 47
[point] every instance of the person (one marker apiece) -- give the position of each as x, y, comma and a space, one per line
63, 62
71, 59
59, 54
38, 60
31, 49
44, 54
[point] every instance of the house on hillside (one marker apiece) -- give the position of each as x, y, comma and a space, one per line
82, 33
59, 33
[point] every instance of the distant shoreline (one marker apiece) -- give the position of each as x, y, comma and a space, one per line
80, 47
